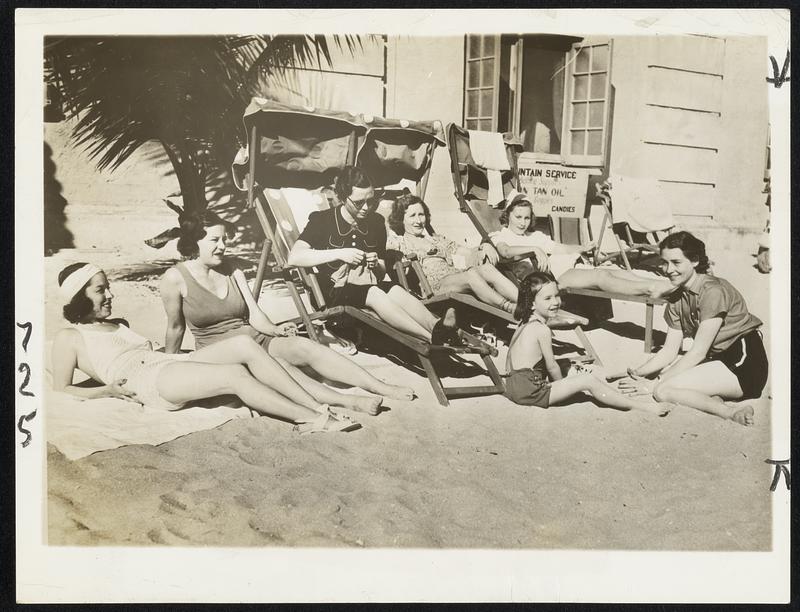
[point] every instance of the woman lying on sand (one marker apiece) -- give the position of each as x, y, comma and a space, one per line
517, 238
412, 235
727, 360
530, 361
212, 296
128, 368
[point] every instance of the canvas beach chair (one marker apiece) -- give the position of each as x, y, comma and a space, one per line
293, 156
472, 191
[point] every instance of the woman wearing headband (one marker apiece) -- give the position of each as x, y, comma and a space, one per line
128, 367
210, 295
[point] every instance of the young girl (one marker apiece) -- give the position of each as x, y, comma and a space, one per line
727, 360
530, 359
517, 238
128, 368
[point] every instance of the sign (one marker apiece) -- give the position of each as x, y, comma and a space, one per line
553, 189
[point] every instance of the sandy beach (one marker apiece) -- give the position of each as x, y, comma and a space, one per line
481, 473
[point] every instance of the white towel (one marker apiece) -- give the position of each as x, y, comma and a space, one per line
78, 428
489, 152
640, 203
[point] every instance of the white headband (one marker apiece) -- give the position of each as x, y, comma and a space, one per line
75, 281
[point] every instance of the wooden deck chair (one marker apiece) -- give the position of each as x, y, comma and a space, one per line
425, 293
471, 186
304, 149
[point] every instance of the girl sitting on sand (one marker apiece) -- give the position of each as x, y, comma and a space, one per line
211, 295
727, 360
517, 238
412, 234
128, 367
530, 361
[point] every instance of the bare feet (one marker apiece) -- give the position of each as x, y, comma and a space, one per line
370, 405
327, 421
399, 393
742, 415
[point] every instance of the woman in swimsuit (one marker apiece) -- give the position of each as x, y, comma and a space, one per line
530, 361
517, 238
727, 360
128, 367
210, 295
412, 235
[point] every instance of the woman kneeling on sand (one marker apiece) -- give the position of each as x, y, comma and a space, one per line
128, 367
727, 360
211, 295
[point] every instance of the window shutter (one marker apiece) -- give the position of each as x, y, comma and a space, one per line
586, 103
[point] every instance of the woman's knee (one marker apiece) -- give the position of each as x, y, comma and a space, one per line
244, 346
663, 392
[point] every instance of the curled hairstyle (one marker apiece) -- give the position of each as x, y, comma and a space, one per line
348, 178
193, 228
693, 248
399, 208
528, 289
80, 305
504, 216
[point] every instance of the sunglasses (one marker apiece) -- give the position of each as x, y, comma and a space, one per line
360, 204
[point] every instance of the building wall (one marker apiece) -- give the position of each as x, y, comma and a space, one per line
691, 111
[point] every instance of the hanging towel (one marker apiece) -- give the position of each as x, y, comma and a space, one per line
640, 203
489, 152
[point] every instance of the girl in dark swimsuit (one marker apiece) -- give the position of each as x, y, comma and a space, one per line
530, 359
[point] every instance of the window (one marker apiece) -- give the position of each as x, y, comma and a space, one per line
551, 91
587, 112
481, 82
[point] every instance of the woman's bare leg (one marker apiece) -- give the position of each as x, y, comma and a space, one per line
501, 283
416, 309
614, 281
326, 395
561, 390
245, 351
394, 314
302, 352
704, 388
475, 283
184, 381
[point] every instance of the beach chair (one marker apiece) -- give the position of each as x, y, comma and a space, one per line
296, 150
472, 188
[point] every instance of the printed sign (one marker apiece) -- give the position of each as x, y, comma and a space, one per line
553, 189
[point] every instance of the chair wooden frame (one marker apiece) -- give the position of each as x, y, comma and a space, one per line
512, 149
279, 245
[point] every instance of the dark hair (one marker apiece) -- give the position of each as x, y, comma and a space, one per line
350, 177
507, 212
693, 248
399, 208
528, 289
80, 305
193, 228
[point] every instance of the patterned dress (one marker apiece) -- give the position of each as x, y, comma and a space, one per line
435, 253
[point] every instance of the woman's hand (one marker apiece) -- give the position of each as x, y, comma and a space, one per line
542, 260
285, 330
372, 259
490, 253
636, 385
352, 257
117, 390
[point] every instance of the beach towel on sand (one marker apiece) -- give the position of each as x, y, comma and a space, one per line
78, 428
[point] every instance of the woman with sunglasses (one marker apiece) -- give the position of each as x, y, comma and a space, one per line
348, 245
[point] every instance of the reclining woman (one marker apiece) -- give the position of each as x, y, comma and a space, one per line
727, 360
518, 238
127, 366
348, 246
412, 234
210, 295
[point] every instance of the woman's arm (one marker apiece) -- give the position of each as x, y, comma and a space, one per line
173, 305
664, 357
303, 256
257, 317
65, 362
545, 339
703, 339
